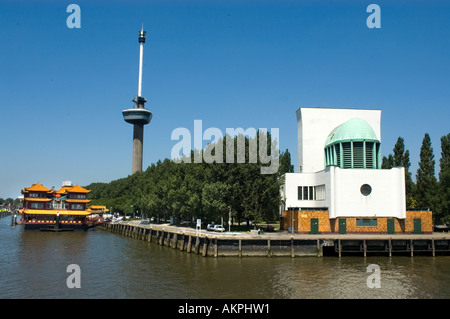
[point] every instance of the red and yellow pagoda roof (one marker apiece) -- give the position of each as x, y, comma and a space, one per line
78, 189
37, 188
72, 189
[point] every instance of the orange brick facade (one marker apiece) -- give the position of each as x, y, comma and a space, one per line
306, 221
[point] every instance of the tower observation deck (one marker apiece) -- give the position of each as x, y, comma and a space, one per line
138, 115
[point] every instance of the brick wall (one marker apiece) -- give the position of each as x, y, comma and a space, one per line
425, 216
302, 222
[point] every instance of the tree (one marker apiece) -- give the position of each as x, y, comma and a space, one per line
387, 162
202, 190
214, 200
425, 177
285, 163
443, 209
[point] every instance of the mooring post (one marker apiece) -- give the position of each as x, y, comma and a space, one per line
161, 237
205, 247
175, 240
183, 236
166, 241
197, 245
319, 249
240, 247
390, 247
268, 248
339, 247
189, 246
432, 247
365, 248
412, 247
292, 246
215, 247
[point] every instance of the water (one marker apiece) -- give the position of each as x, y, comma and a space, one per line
34, 265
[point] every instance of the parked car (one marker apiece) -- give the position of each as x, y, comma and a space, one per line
219, 228
210, 227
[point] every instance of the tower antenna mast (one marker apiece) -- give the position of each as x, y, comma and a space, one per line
139, 115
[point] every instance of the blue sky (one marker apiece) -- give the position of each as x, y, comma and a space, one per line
228, 63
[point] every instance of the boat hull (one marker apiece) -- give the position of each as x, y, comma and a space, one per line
50, 227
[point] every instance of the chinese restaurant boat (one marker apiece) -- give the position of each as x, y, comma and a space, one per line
50, 210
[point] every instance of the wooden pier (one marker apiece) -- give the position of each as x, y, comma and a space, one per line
283, 244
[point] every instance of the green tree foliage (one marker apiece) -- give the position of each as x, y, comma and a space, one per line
426, 182
443, 201
428, 192
199, 190
387, 162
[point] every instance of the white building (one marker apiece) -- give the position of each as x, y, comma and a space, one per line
339, 171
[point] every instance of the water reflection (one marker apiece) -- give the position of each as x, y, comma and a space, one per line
114, 266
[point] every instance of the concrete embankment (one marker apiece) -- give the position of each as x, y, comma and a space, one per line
281, 244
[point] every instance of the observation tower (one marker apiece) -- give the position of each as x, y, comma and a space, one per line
138, 115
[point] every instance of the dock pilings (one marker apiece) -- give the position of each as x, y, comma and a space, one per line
221, 245
209, 244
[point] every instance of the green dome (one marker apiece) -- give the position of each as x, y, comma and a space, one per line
353, 130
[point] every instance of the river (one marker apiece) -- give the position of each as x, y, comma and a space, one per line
35, 265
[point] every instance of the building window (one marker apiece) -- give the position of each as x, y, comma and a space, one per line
37, 205
37, 195
311, 192
366, 222
320, 192
77, 196
77, 206
366, 189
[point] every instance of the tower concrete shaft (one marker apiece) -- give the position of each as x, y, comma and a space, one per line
138, 141
139, 115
